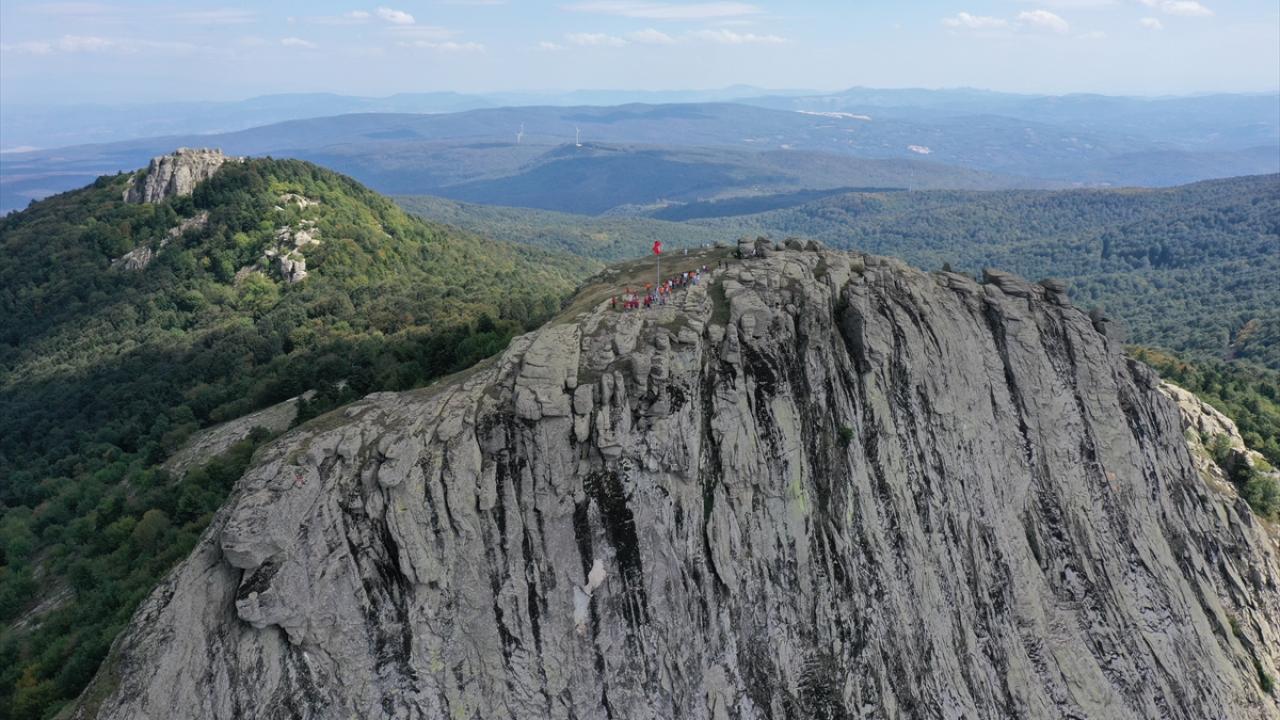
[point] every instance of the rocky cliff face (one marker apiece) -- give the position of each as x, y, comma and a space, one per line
173, 175
818, 485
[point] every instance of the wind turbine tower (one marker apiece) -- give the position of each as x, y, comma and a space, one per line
520, 134
577, 136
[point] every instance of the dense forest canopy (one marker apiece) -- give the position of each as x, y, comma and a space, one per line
105, 371
1190, 268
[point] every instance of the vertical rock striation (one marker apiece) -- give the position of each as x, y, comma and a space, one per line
820, 485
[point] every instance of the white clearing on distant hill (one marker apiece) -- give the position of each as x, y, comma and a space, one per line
919, 149
842, 115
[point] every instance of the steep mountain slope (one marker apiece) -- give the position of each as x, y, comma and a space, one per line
128, 326
814, 485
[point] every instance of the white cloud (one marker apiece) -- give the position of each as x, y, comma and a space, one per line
446, 46
1044, 20
650, 36
666, 10
974, 22
297, 42
1151, 23
354, 17
729, 37
550, 46
1185, 8
86, 43
27, 48
595, 40
395, 17
71, 44
460, 46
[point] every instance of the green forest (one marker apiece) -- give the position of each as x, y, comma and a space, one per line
1189, 268
105, 371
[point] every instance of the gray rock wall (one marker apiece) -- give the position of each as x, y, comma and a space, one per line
819, 486
173, 175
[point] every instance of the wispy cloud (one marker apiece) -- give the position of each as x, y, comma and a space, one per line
395, 17
595, 39
95, 44
655, 37
549, 46
31, 47
1044, 20
1151, 23
666, 10
649, 36
729, 37
974, 22
1185, 8
354, 17
86, 43
444, 46
297, 42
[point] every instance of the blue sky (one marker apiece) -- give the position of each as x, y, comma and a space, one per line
146, 51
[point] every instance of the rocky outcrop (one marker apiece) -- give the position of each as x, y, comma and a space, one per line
140, 257
816, 485
290, 264
208, 444
1204, 425
174, 175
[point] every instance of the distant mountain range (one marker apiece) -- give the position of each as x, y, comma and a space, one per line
657, 153
1235, 120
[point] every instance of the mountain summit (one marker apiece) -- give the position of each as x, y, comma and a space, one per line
814, 484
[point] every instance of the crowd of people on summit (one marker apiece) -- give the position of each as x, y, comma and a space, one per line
651, 295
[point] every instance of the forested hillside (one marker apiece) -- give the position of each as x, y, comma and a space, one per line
107, 367
603, 238
1190, 268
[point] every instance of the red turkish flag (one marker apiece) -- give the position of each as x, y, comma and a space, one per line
657, 247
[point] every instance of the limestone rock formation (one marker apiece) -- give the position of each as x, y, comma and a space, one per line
815, 485
174, 175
